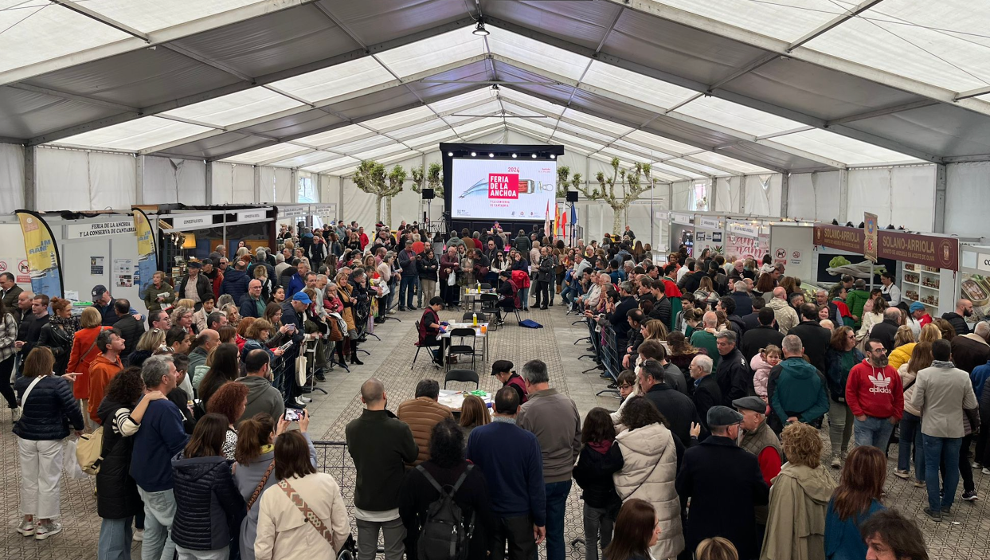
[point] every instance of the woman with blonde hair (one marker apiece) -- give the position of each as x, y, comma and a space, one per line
902, 351
716, 548
57, 333
83, 352
910, 426
654, 330
799, 498
148, 345
474, 413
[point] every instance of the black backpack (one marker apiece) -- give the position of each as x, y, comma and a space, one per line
444, 535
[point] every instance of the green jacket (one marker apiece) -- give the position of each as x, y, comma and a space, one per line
704, 339
856, 299
151, 296
799, 391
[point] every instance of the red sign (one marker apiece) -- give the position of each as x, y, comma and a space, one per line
504, 186
839, 237
939, 252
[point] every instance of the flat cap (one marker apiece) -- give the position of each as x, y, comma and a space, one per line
755, 404
723, 416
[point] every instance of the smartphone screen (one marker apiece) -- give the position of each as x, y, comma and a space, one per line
293, 414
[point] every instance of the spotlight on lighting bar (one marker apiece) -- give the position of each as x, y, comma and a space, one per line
473, 154
514, 156
491, 155
534, 156
450, 154
553, 156
480, 29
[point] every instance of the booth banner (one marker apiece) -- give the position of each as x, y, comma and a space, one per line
744, 247
747, 230
197, 221
100, 229
293, 211
870, 231
983, 262
706, 222
42, 254
939, 252
682, 219
252, 215
147, 252
839, 237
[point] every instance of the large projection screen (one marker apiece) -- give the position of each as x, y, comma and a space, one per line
502, 189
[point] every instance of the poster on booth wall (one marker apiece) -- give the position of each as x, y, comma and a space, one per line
123, 273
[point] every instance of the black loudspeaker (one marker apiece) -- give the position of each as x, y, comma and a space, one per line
428, 194
572, 196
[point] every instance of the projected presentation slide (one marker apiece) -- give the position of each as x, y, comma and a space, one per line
502, 189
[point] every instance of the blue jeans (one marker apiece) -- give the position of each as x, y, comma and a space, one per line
874, 432
941, 452
115, 539
159, 511
911, 435
524, 298
406, 286
556, 505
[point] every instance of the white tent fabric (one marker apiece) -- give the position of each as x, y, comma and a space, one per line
168, 181
900, 195
84, 180
11, 178
967, 198
814, 196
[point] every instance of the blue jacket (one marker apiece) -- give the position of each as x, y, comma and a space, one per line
160, 438
296, 284
799, 391
512, 462
109, 315
235, 282
979, 377
842, 538
48, 411
249, 307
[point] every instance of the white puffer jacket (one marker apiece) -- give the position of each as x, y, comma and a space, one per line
648, 473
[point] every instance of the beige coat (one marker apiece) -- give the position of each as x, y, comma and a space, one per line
650, 467
798, 503
784, 314
283, 532
422, 414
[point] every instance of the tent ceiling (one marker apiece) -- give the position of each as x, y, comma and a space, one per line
711, 86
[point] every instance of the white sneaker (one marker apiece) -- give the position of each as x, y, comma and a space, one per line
300, 401
138, 535
26, 528
45, 530
986, 470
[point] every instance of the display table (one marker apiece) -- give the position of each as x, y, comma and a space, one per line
480, 332
455, 399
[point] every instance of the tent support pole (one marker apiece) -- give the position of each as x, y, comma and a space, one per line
940, 194
30, 179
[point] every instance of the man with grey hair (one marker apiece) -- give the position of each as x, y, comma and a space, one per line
795, 389
160, 438
280, 266
733, 375
971, 350
706, 391
554, 419
619, 317
740, 295
886, 330
381, 445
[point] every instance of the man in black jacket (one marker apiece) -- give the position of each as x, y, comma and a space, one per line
661, 305
885, 331
675, 406
706, 391
762, 336
727, 305
293, 315
752, 320
204, 289
815, 337
725, 485
620, 316
957, 318
380, 445
29, 331
733, 376
744, 302
130, 328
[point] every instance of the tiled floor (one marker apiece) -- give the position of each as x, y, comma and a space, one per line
965, 535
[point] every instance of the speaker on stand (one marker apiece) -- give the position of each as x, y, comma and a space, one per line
572, 198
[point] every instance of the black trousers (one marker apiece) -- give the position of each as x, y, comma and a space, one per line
517, 532
542, 293
6, 367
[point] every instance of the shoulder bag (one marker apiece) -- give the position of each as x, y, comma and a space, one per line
261, 485
347, 551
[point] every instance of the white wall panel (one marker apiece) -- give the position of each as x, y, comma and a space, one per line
174, 180
267, 187
285, 190
727, 194
682, 196
112, 180
913, 197
223, 183
814, 196
967, 197
11, 178
62, 179
763, 195
243, 185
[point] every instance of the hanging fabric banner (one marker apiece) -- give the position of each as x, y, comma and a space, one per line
147, 251
42, 254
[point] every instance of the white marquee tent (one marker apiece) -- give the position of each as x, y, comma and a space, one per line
817, 109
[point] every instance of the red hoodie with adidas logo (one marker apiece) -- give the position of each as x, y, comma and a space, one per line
874, 391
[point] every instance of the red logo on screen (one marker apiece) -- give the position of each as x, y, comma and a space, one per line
503, 186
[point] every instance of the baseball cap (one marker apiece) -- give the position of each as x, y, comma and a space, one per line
755, 404
205, 262
99, 290
501, 365
916, 306
723, 416
194, 264
301, 296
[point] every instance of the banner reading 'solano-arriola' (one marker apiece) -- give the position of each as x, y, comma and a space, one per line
147, 252
42, 254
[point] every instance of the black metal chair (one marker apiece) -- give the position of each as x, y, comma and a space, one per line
466, 375
469, 316
420, 346
462, 349
489, 305
486, 286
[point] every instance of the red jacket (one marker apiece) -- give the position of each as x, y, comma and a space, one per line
874, 391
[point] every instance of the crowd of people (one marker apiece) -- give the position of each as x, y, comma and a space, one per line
727, 370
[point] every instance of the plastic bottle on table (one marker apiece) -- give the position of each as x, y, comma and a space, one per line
474, 319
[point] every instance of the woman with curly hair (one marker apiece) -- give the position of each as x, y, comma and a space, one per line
230, 401
224, 368
856, 499
799, 498
183, 317
242, 330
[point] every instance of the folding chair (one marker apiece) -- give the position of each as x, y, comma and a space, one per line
469, 316
489, 305
462, 349
466, 375
419, 346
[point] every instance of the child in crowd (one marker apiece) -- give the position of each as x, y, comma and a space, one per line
600, 458
761, 364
